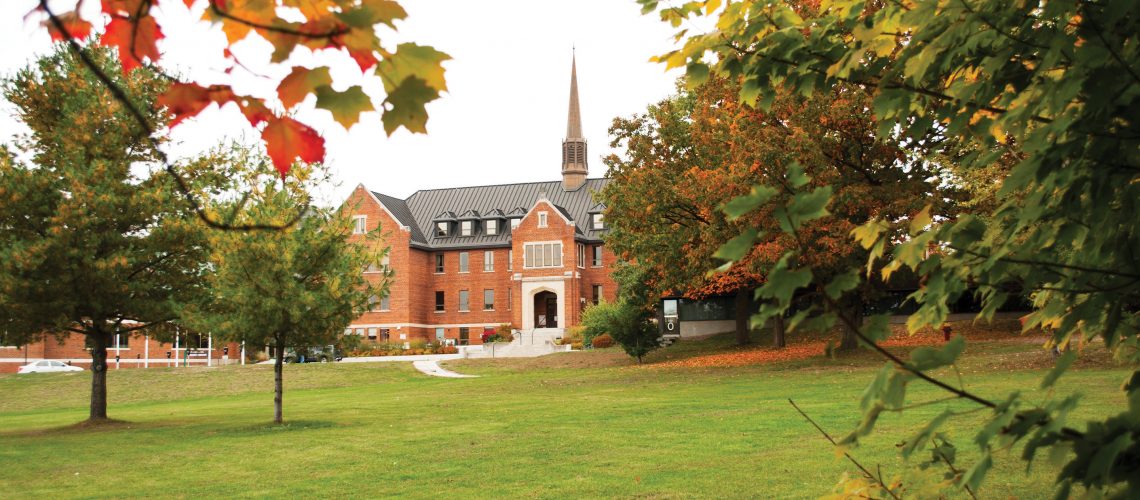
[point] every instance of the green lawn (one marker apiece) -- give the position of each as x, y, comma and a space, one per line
578, 424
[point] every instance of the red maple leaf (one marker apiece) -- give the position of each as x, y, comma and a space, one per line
135, 40
73, 27
287, 139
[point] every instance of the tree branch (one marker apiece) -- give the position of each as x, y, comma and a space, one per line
867, 473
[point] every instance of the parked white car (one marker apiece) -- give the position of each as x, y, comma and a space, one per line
48, 366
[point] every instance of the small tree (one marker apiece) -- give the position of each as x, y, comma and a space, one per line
628, 324
91, 243
291, 288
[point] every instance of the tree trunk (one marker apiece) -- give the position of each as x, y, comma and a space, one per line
778, 340
278, 388
99, 342
742, 316
854, 311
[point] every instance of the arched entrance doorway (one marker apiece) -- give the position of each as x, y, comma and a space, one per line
545, 310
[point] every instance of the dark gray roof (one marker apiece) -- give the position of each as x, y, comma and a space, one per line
423, 207
403, 215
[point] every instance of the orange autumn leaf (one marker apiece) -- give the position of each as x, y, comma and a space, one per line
74, 26
132, 49
287, 139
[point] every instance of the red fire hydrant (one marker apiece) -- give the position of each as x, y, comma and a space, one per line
946, 332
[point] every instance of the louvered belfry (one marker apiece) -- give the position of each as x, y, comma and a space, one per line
574, 168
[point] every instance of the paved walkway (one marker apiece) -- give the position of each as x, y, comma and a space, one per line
431, 367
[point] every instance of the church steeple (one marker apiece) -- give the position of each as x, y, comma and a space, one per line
574, 168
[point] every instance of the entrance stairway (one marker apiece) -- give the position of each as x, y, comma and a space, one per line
527, 344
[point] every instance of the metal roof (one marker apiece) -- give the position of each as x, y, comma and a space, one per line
422, 207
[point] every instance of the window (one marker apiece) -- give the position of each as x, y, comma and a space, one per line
463, 261
373, 303
385, 262
599, 222
597, 260
492, 227
439, 334
581, 255
359, 224
121, 341
349, 331
488, 261
488, 300
360, 331
463, 303
515, 223
465, 228
385, 334
438, 301
542, 219
386, 303
464, 335
372, 268
441, 228
510, 260
597, 293
439, 263
543, 255
372, 334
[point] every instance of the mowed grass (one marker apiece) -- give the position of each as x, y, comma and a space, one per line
569, 425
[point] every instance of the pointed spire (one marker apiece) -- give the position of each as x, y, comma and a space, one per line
574, 119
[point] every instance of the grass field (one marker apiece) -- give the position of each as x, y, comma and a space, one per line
576, 424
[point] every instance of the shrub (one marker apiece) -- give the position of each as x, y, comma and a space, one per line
577, 346
624, 323
448, 349
573, 336
603, 341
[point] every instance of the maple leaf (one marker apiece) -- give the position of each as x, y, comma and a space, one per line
132, 49
186, 100
74, 26
412, 60
287, 139
407, 101
300, 83
345, 106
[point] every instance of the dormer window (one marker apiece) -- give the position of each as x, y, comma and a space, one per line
441, 229
515, 223
598, 221
465, 228
492, 227
542, 219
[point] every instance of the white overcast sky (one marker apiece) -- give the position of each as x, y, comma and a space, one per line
502, 120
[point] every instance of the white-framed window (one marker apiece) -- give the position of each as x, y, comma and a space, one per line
581, 255
464, 261
373, 303
439, 301
510, 260
488, 261
464, 302
441, 228
515, 221
597, 293
372, 333
597, 260
488, 299
439, 263
542, 219
121, 341
465, 228
385, 262
439, 334
371, 268
386, 303
492, 227
542, 255
349, 331
599, 221
359, 224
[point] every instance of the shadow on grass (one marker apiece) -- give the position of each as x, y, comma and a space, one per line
84, 427
211, 427
288, 426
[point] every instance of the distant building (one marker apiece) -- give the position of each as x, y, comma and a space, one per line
467, 260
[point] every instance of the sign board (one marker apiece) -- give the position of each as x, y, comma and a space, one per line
671, 326
198, 353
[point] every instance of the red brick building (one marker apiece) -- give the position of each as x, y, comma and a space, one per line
467, 260
136, 350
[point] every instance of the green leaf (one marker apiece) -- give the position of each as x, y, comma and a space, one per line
842, 283
796, 176
413, 61
920, 220
1100, 468
973, 477
407, 106
345, 106
929, 358
923, 435
783, 282
741, 205
809, 206
696, 74
1063, 363
736, 248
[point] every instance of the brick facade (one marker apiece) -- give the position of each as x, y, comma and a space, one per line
139, 351
412, 313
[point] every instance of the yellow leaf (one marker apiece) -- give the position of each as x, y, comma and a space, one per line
998, 133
